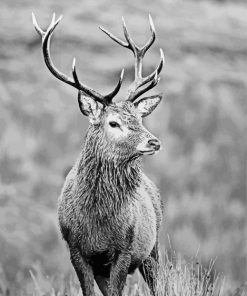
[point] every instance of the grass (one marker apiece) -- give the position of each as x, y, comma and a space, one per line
176, 277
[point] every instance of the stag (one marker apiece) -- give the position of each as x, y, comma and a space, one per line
109, 211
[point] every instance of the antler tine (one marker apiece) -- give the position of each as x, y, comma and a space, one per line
113, 37
152, 38
36, 26
129, 44
107, 98
98, 97
46, 52
158, 69
46, 37
138, 93
111, 95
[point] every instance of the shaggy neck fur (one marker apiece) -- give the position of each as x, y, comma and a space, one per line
107, 182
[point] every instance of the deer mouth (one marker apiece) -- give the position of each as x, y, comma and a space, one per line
148, 152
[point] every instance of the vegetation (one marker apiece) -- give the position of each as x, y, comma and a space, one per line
201, 171
175, 278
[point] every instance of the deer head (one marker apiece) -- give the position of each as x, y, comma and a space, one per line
116, 127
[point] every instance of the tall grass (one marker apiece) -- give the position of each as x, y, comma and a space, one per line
176, 277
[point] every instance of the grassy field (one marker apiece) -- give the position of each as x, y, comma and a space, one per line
201, 172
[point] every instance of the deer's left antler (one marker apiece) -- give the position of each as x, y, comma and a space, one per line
135, 89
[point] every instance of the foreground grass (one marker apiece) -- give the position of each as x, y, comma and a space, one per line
175, 278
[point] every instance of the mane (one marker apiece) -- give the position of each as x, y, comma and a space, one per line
105, 182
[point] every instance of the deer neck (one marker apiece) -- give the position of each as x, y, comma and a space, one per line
106, 182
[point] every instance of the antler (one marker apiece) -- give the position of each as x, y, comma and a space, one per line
46, 37
135, 89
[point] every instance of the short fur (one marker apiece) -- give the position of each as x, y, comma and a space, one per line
109, 211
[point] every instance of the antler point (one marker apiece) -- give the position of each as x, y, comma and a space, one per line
151, 23
53, 18
156, 75
73, 63
36, 26
162, 55
102, 29
122, 74
33, 19
123, 21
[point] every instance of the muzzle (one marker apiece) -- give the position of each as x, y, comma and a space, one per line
149, 147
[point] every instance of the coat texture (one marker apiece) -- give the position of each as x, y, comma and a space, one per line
109, 210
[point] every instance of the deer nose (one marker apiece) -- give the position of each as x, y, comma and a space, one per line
154, 143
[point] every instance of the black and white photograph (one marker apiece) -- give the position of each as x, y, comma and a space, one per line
123, 148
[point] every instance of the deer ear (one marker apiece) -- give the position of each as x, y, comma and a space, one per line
146, 105
89, 107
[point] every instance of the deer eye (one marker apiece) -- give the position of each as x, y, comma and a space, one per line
114, 124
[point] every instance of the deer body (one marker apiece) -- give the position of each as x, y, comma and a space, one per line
108, 220
109, 211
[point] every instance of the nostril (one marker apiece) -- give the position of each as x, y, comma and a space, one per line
154, 143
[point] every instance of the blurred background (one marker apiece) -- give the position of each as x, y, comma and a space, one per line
201, 171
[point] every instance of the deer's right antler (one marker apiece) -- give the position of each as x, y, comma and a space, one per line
46, 37
135, 89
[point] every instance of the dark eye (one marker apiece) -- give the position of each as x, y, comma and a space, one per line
114, 124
